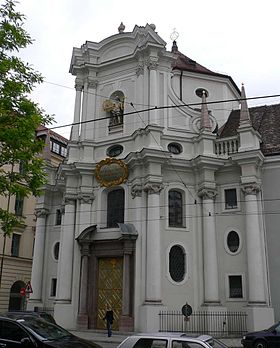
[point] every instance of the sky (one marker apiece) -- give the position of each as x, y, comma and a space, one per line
239, 38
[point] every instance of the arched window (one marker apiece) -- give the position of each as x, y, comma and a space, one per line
16, 301
115, 208
175, 206
177, 263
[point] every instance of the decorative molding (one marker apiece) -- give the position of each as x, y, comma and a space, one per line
136, 190
86, 197
153, 188
92, 83
85, 249
41, 212
140, 69
250, 189
152, 63
79, 86
69, 200
207, 193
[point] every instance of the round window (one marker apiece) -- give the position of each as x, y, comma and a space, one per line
177, 263
56, 251
114, 150
174, 148
199, 92
233, 241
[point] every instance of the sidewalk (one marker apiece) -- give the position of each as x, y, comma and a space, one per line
100, 336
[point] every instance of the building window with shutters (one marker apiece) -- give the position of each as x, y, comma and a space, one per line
177, 263
115, 208
175, 208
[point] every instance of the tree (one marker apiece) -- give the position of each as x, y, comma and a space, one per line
21, 167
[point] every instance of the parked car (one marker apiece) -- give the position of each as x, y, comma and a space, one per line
19, 314
31, 332
268, 338
170, 340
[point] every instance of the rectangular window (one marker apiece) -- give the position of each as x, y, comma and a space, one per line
58, 217
235, 286
63, 151
55, 147
230, 198
53, 287
15, 244
19, 206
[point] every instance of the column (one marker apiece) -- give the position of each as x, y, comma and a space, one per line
210, 264
256, 280
88, 112
77, 112
153, 264
82, 320
126, 284
152, 65
66, 253
38, 258
86, 199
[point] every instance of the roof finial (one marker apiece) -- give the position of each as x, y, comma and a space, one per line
121, 28
205, 123
174, 36
244, 111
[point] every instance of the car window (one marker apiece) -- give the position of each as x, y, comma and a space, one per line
277, 328
150, 343
45, 329
11, 331
185, 344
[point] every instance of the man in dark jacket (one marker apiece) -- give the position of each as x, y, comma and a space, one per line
109, 317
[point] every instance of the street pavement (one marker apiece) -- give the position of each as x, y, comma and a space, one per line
100, 337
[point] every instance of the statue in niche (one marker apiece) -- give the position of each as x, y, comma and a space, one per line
115, 106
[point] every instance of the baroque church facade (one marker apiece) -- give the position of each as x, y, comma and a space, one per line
160, 199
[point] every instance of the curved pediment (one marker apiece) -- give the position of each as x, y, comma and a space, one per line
87, 235
118, 46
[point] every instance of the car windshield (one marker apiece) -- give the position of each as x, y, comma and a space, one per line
44, 329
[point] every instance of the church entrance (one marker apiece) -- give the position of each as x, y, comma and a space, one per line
110, 289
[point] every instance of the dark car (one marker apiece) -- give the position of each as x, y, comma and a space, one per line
268, 338
20, 314
31, 332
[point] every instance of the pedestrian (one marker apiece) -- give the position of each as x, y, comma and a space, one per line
109, 317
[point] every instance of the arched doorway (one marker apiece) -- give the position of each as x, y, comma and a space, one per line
16, 301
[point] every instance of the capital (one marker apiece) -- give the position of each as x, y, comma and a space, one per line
69, 200
152, 63
86, 197
92, 83
41, 212
153, 188
206, 193
136, 190
79, 85
250, 189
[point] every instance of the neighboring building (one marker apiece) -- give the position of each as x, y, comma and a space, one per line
17, 249
159, 205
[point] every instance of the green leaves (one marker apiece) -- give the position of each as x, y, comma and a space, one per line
19, 118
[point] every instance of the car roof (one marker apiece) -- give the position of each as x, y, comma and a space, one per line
164, 335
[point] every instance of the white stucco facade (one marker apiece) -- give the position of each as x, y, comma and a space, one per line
138, 66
